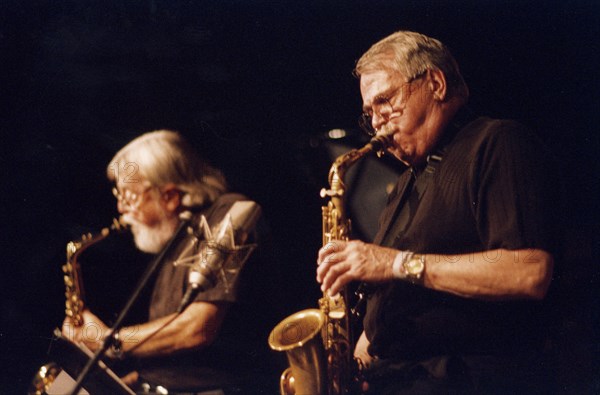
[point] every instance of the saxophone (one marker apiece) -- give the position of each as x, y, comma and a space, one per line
74, 304
318, 342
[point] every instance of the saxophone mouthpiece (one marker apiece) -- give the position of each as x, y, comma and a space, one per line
120, 223
382, 140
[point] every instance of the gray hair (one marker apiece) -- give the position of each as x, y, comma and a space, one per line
164, 156
412, 54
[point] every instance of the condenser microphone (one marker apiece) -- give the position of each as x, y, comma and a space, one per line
223, 247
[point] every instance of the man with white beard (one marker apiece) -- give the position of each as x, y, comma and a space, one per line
158, 176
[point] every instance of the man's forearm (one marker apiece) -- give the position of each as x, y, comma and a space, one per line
494, 275
195, 328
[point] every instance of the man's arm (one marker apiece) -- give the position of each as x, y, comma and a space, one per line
195, 328
490, 275
495, 275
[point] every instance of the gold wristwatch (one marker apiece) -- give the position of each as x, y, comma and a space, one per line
414, 268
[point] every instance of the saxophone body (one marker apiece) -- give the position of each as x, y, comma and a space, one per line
74, 290
318, 342
74, 295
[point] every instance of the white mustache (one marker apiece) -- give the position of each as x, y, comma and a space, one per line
130, 220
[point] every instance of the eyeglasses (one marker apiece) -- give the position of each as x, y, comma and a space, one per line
382, 105
129, 198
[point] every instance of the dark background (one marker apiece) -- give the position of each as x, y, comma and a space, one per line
255, 85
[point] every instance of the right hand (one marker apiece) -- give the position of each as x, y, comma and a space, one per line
363, 358
131, 379
361, 353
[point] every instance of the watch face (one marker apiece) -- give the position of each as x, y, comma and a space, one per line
415, 266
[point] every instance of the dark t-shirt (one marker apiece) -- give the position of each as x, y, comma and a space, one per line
211, 367
492, 189
172, 281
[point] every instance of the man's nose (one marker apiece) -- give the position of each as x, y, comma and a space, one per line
378, 120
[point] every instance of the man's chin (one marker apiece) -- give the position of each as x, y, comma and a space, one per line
147, 249
149, 239
146, 246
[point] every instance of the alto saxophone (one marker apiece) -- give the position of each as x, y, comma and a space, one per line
74, 304
318, 342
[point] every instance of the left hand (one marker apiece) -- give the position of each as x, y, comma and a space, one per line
92, 332
341, 262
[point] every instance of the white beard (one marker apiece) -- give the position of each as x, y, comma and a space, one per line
150, 239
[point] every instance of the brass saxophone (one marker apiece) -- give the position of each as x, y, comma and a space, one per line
318, 342
74, 304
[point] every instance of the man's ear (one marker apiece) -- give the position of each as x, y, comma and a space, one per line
170, 197
437, 85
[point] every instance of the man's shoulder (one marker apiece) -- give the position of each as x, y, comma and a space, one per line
485, 133
219, 208
483, 127
229, 198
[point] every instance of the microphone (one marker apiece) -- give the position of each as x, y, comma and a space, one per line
223, 247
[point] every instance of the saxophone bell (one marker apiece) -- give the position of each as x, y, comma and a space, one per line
300, 336
319, 342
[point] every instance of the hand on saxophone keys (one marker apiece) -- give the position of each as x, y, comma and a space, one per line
91, 332
340, 262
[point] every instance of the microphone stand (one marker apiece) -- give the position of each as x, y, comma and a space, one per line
108, 340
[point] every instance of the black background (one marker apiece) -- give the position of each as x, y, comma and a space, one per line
255, 85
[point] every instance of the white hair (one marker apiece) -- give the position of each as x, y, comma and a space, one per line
412, 54
164, 156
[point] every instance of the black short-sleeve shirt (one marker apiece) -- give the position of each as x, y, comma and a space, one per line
172, 281
194, 370
492, 189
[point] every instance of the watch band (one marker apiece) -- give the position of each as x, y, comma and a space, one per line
408, 266
398, 268
116, 347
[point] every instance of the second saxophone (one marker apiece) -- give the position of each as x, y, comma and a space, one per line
318, 342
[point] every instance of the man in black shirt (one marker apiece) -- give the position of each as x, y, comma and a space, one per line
463, 259
158, 176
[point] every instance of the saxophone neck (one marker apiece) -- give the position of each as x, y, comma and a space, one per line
74, 248
343, 162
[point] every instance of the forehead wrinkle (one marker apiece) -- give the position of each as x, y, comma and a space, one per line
380, 85
383, 80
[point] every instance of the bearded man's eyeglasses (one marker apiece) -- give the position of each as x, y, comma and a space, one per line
382, 105
129, 198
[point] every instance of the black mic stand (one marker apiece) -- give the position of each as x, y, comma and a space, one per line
108, 340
